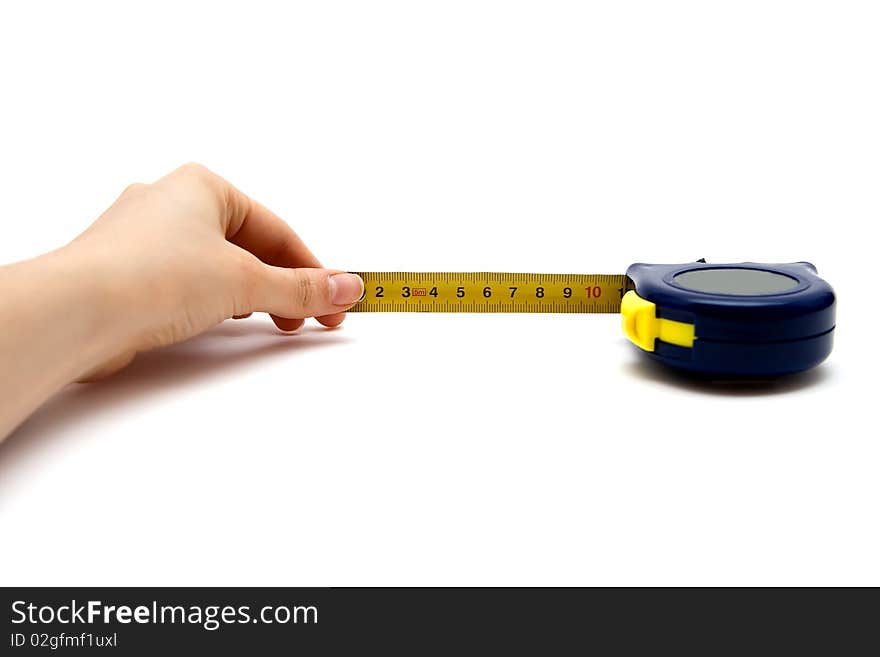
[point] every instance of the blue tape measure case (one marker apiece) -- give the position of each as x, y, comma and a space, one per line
733, 320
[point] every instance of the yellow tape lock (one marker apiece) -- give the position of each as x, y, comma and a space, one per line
643, 327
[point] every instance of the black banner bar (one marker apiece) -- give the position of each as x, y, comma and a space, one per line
147, 621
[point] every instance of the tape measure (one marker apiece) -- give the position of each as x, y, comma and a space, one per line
731, 320
491, 292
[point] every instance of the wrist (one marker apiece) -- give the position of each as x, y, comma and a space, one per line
58, 325
82, 294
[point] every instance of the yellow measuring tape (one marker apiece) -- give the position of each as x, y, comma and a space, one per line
491, 292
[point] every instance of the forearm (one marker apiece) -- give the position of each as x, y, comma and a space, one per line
57, 323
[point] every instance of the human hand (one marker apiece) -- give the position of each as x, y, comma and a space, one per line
180, 255
165, 262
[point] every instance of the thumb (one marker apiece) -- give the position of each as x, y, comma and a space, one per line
303, 292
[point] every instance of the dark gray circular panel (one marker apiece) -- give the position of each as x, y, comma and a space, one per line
729, 280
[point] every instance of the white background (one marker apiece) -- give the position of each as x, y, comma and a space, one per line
420, 449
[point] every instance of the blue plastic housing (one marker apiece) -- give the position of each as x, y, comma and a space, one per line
742, 335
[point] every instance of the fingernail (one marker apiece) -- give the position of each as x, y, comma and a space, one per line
345, 289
